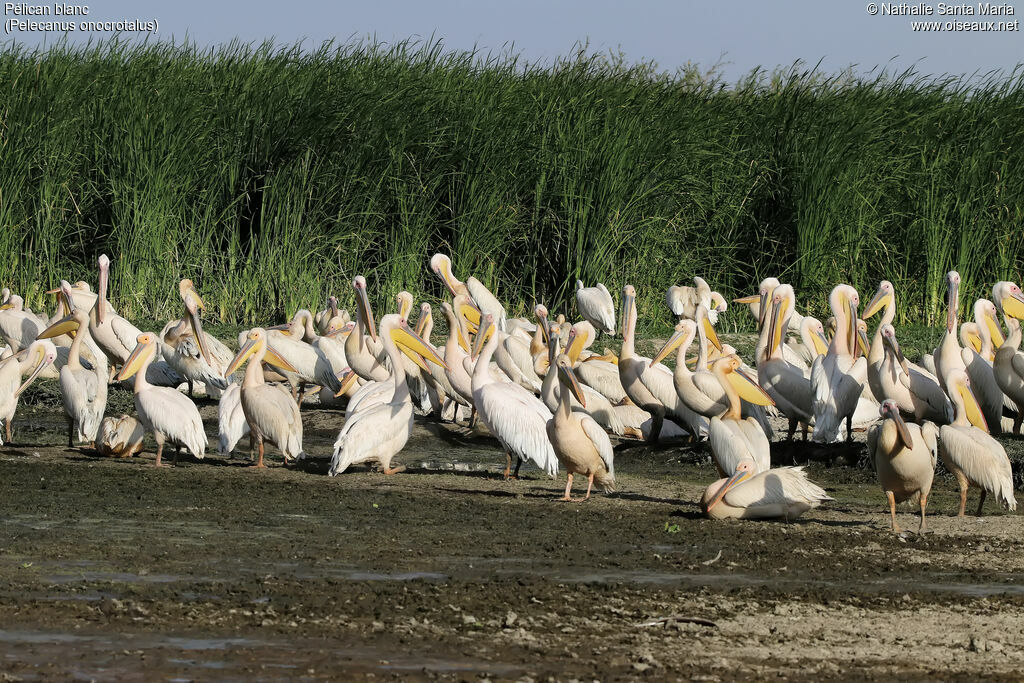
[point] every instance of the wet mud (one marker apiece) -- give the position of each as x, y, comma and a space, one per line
111, 570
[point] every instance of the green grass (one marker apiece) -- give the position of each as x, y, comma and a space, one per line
271, 175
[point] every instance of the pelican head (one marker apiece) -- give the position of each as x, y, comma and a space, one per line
890, 410
985, 314
256, 344
719, 301
746, 386
186, 289
958, 386
581, 336
405, 303
863, 342
683, 336
145, 349
567, 378
42, 353
1009, 299
882, 298
408, 342
363, 306
744, 470
192, 305
442, 267
704, 324
426, 317
104, 263
346, 378
764, 291
541, 311
782, 308
483, 334
952, 299
889, 343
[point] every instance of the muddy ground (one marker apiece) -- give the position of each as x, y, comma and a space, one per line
113, 570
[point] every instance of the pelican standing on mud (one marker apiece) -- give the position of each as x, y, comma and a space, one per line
905, 456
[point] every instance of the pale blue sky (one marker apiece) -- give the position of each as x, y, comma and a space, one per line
740, 34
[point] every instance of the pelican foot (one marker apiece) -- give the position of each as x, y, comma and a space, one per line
394, 470
896, 529
258, 466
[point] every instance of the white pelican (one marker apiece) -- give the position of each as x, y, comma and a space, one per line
580, 444
838, 377
115, 336
758, 304
733, 439
905, 456
231, 424
969, 452
683, 300
631, 367
271, 413
596, 306
120, 437
195, 355
324, 318
83, 390
784, 382
979, 364
783, 492
810, 344
601, 372
170, 415
363, 350
514, 416
1008, 366
948, 356
30, 361
381, 431
307, 365
18, 327
913, 390
455, 354
473, 288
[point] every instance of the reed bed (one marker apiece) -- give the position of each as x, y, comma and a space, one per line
271, 175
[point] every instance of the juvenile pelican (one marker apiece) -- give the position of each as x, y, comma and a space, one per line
39, 355
905, 456
170, 415
381, 431
514, 416
82, 390
780, 493
969, 452
838, 377
119, 437
734, 440
271, 413
596, 306
580, 444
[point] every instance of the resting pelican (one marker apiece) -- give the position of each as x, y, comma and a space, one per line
783, 492
1008, 366
514, 416
734, 440
905, 456
331, 314
362, 348
473, 288
596, 306
83, 390
170, 415
115, 336
914, 391
837, 378
18, 327
271, 413
783, 381
579, 442
119, 437
969, 452
39, 355
381, 431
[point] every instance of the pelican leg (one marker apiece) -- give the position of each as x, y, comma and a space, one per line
590, 484
792, 429
71, 434
1017, 421
191, 387
961, 480
519, 463
159, 450
568, 489
177, 453
924, 503
7, 429
259, 443
252, 444
302, 393
657, 420
892, 511
394, 470
472, 418
805, 431
508, 465
849, 428
981, 504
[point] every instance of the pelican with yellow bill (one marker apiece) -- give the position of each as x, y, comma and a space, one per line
27, 363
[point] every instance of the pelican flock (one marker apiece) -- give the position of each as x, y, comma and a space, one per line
538, 389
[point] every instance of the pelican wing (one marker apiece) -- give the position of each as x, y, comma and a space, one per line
926, 390
981, 458
519, 420
486, 302
601, 442
732, 442
231, 423
276, 414
380, 430
596, 306
930, 435
125, 332
789, 388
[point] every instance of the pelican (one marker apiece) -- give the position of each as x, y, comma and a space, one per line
514, 416
455, 355
115, 336
473, 288
631, 367
914, 391
306, 364
683, 300
948, 356
596, 306
18, 327
119, 437
979, 364
330, 314
734, 440
758, 304
170, 415
271, 413
1008, 366
580, 444
838, 377
31, 361
811, 344
969, 452
362, 348
196, 355
83, 391
381, 431
783, 492
905, 456
784, 382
